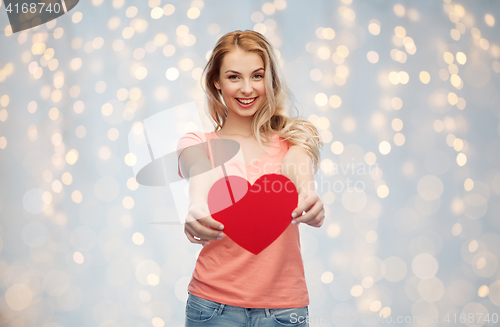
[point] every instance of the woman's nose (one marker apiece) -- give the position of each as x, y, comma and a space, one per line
246, 87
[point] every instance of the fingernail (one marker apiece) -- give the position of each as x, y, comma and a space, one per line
294, 222
206, 243
220, 236
221, 227
294, 215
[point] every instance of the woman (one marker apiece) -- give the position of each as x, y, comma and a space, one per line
248, 103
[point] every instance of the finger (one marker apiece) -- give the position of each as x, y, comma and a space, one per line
212, 223
196, 216
189, 218
304, 205
192, 239
318, 220
311, 214
197, 229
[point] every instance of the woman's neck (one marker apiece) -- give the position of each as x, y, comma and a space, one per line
237, 125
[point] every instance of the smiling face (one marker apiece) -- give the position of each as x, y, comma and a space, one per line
241, 81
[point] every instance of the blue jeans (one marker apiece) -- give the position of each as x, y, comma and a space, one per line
201, 312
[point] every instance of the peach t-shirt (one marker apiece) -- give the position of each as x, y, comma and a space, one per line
229, 274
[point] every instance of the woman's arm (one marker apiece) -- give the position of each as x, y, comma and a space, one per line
297, 166
196, 167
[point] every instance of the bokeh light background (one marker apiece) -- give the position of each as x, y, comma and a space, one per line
408, 87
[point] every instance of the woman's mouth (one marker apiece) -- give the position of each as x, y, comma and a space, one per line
246, 102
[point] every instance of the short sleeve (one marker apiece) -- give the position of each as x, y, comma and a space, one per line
190, 139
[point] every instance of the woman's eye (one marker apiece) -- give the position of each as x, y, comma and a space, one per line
236, 76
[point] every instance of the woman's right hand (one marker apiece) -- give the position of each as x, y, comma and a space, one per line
199, 226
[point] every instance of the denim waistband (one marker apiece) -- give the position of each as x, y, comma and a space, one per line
221, 306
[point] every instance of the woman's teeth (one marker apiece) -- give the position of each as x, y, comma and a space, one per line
246, 101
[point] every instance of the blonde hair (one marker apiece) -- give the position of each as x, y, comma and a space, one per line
273, 115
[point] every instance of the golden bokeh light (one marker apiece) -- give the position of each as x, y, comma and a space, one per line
425, 77
349, 124
347, 13
128, 202
337, 147
107, 109
4, 114
130, 159
455, 34
458, 144
489, 20
399, 139
77, 196
104, 153
399, 10
156, 13
193, 13
461, 58
67, 178
396, 103
342, 51
131, 12
483, 291
461, 159
182, 30
72, 157
384, 147
128, 32
321, 99
400, 31
397, 124
57, 186
168, 9
78, 257
18, 297
316, 75
374, 27
138, 238
328, 33
372, 57
77, 17
382, 191
335, 101
157, 322
4, 100
172, 74
54, 112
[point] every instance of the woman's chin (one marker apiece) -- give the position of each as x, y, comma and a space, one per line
245, 112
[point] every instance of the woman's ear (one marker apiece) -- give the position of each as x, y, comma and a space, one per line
217, 86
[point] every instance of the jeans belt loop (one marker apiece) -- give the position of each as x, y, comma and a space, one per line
268, 314
219, 312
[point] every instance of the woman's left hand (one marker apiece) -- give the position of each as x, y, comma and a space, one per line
313, 207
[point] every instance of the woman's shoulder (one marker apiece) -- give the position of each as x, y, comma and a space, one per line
284, 143
198, 135
193, 138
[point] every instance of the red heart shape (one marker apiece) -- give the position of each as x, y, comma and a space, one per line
253, 215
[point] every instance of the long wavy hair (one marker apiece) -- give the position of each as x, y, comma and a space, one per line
273, 116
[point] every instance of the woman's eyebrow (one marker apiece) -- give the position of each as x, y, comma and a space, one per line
233, 71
